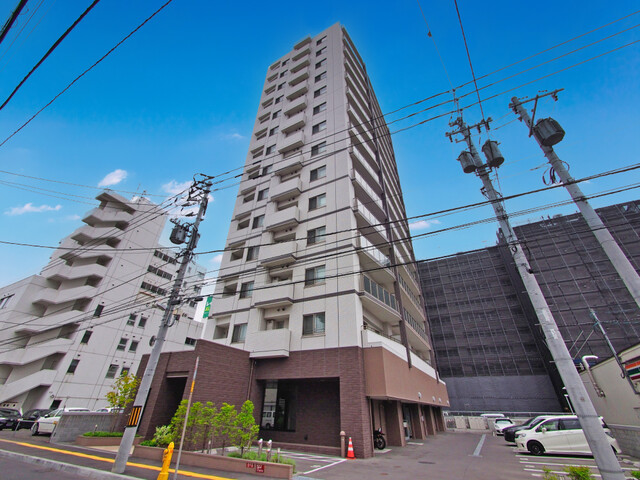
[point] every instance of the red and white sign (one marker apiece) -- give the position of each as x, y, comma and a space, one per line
250, 464
259, 468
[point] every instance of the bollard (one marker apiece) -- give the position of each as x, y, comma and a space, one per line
278, 455
259, 449
166, 461
343, 451
269, 444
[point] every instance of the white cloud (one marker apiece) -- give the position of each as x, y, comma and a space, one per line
217, 259
30, 208
73, 218
423, 224
175, 188
113, 178
234, 136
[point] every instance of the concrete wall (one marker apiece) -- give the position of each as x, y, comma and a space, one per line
72, 424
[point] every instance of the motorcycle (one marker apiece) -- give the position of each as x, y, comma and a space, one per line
378, 439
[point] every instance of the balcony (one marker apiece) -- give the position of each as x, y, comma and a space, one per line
369, 223
273, 295
295, 122
299, 77
242, 210
231, 268
269, 343
247, 185
102, 215
296, 67
49, 296
288, 189
297, 92
361, 185
363, 166
294, 140
42, 378
288, 165
87, 233
66, 272
287, 218
223, 304
278, 254
29, 354
373, 261
295, 106
363, 148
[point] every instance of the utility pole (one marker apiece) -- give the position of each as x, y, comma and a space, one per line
177, 236
548, 133
589, 420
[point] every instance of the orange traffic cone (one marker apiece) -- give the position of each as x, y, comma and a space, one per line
350, 450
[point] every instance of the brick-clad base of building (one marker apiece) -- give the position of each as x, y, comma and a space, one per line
326, 394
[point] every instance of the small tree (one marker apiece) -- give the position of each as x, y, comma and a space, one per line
247, 430
122, 394
224, 425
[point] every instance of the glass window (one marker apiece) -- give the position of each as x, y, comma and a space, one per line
273, 131
86, 336
134, 346
315, 275
276, 114
270, 149
279, 406
263, 194
239, 333
111, 371
317, 202
319, 148
72, 366
320, 77
321, 40
123, 343
317, 173
317, 128
281, 86
316, 235
550, 425
252, 253
132, 319
246, 290
320, 91
321, 51
283, 73
189, 341
266, 170
142, 322
320, 108
570, 424
278, 100
313, 324
258, 221
98, 311
321, 63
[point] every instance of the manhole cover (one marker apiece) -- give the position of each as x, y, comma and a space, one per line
427, 463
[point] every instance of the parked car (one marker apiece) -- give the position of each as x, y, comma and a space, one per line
9, 418
110, 410
560, 434
500, 423
30, 417
48, 422
510, 432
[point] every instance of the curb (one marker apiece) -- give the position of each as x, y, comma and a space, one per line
85, 472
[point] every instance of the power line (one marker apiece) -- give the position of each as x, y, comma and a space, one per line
11, 20
85, 72
51, 49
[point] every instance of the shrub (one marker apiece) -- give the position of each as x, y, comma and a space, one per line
635, 474
163, 436
549, 475
579, 473
149, 443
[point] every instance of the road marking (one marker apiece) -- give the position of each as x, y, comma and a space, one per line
476, 452
414, 443
326, 466
111, 460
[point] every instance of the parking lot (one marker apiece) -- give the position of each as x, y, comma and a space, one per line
447, 456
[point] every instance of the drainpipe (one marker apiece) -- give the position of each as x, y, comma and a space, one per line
585, 364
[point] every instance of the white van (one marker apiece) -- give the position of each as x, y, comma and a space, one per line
559, 434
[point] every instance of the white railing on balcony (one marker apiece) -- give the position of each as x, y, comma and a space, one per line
273, 295
294, 122
28, 354
295, 106
283, 218
370, 217
288, 165
363, 161
287, 189
292, 141
61, 270
277, 253
41, 378
373, 251
299, 77
365, 186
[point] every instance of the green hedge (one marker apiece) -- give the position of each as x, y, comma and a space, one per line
104, 434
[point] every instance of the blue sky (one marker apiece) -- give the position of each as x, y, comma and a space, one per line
180, 97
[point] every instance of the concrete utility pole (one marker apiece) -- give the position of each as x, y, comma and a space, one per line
174, 299
589, 420
611, 248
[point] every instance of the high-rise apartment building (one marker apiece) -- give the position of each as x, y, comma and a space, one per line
319, 283
91, 314
487, 339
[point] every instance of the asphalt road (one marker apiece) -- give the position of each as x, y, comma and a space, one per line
18, 470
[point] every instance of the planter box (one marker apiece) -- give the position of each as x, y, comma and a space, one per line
218, 462
102, 441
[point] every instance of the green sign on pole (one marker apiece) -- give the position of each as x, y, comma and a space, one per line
207, 307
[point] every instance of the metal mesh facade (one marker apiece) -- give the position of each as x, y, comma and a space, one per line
482, 321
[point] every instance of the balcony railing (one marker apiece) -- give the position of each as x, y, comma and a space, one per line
295, 122
359, 179
288, 165
273, 295
278, 254
294, 140
288, 189
371, 219
289, 217
269, 343
373, 251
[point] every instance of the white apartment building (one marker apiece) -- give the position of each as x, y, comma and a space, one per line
319, 282
93, 311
